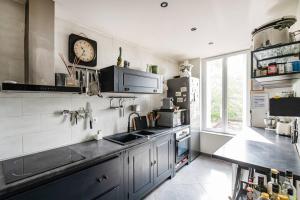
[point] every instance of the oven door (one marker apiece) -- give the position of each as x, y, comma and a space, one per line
182, 148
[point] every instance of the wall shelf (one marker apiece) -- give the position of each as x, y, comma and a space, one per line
6, 87
283, 53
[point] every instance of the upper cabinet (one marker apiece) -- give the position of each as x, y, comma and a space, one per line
276, 66
124, 80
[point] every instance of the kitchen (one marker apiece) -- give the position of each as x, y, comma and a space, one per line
147, 100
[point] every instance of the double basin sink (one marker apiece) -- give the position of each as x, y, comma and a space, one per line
130, 138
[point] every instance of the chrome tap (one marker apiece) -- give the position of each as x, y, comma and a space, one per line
128, 128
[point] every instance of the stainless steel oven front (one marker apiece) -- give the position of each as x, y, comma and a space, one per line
183, 144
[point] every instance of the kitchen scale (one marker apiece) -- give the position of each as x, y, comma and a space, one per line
23, 167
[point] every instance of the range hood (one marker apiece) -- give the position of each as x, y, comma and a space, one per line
39, 50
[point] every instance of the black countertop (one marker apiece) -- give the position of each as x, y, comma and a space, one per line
261, 149
93, 151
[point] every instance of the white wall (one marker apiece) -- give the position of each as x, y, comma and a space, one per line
211, 142
29, 122
296, 26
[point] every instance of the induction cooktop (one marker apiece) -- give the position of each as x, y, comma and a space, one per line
27, 166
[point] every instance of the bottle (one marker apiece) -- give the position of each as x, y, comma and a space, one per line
250, 191
283, 197
274, 175
260, 187
290, 193
264, 196
275, 192
289, 184
119, 60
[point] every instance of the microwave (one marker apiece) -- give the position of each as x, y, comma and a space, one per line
170, 118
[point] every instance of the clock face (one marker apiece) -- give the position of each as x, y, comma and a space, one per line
84, 50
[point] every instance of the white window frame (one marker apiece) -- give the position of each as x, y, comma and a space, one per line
246, 94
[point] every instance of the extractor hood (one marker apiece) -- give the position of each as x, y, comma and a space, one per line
39, 72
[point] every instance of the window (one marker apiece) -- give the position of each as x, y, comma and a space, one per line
224, 92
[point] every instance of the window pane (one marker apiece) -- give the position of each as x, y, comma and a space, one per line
236, 80
214, 94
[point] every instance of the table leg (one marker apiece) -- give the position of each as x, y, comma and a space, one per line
236, 176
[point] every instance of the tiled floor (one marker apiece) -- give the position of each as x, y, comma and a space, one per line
204, 179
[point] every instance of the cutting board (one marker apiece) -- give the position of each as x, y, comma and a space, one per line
140, 123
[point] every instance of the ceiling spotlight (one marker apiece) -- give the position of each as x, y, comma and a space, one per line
164, 4
194, 29
211, 43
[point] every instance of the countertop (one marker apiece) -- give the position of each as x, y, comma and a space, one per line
261, 149
93, 151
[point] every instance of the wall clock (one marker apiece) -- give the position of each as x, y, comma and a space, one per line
84, 49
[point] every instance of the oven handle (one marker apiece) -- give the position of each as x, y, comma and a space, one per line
185, 138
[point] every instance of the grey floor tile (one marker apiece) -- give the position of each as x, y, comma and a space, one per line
204, 179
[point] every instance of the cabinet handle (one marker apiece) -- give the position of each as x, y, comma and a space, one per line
154, 90
126, 89
104, 177
154, 163
151, 163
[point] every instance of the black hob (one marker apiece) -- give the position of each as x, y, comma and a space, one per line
24, 167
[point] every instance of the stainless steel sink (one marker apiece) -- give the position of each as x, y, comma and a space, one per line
126, 138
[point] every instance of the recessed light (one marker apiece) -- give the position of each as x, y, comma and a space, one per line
194, 29
211, 43
164, 4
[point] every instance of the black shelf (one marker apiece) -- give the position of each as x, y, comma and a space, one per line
280, 56
274, 75
38, 88
282, 53
275, 46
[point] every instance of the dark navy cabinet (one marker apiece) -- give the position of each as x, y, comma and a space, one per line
163, 161
131, 175
124, 80
140, 175
149, 165
102, 181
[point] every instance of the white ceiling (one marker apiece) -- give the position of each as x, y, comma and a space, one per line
228, 23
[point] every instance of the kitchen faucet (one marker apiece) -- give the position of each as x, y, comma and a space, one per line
128, 128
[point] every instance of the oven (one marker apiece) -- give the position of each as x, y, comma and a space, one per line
183, 144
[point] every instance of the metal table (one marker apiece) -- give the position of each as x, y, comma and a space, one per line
257, 149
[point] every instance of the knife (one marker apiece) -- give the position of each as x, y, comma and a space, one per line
81, 82
89, 113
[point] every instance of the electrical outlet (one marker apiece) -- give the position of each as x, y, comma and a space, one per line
298, 189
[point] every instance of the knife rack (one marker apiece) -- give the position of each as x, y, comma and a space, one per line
84, 82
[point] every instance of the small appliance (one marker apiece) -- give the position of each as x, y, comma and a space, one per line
171, 118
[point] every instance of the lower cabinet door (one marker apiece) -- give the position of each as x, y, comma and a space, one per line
140, 171
162, 158
84, 185
114, 194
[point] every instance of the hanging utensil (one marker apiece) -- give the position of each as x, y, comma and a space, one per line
89, 114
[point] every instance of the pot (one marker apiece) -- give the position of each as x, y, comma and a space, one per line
273, 33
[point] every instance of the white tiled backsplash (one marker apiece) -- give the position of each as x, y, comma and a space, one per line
29, 122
